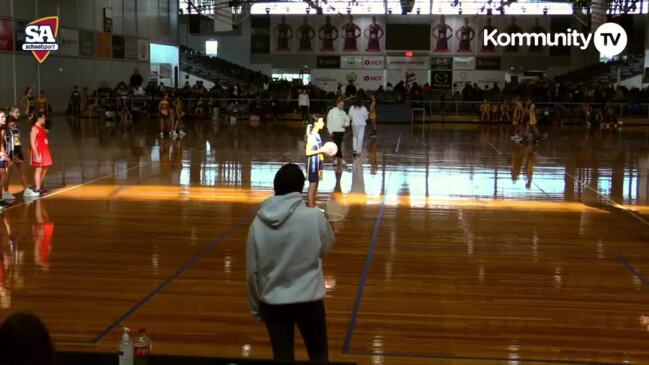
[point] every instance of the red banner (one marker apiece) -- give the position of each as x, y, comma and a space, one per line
6, 35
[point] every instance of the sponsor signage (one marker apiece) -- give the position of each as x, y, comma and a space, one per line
441, 80
374, 62
411, 63
488, 63
441, 63
354, 62
328, 62
40, 37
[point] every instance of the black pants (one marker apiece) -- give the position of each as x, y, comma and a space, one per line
76, 108
338, 140
311, 320
305, 113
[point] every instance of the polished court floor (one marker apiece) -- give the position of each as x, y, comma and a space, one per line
459, 247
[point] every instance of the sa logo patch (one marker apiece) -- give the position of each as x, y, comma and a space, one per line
40, 37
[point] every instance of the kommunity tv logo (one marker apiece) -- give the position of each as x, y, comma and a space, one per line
610, 39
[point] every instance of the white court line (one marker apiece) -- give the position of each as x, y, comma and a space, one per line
63, 190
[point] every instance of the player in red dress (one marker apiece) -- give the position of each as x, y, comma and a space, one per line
40, 155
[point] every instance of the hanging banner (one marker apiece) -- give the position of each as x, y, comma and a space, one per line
354, 62
143, 50
488, 63
69, 41
19, 27
104, 42
118, 47
374, 62
86, 43
328, 80
441, 80
130, 48
464, 63
328, 62
411, 63
441, 63
6, 35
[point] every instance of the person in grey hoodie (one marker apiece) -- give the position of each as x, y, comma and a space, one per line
286, 244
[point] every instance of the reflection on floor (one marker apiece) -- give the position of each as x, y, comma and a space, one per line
459, 247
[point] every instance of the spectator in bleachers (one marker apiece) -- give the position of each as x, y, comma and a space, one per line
136, 79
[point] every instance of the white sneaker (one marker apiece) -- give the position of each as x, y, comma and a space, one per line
182, 133
162, 134
8, 196
30, 193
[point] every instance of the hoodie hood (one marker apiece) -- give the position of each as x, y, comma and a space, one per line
276, 210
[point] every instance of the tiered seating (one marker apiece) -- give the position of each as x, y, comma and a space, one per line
603, 73
214, 68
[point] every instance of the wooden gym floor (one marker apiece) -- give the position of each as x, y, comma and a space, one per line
457, 248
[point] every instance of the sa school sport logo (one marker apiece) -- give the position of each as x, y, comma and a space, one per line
40, 37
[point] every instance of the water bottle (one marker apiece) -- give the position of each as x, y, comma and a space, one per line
142, 348
126, 349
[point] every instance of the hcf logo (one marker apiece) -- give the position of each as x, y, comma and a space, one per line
40, 37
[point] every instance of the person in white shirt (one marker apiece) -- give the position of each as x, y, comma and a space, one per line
358, 115
303, 103
337, 121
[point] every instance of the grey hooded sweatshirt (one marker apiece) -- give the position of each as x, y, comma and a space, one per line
286, 242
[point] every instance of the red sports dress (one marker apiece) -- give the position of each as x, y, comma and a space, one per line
43, 148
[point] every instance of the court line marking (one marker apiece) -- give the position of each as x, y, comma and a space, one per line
480, 358
630, 267
364, 275
65, 189
186, 266
396, 150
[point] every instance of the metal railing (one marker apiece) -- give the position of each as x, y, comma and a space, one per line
433, 108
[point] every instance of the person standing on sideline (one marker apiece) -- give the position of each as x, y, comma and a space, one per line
358, 115
14, 149
286, 244
75, 101
337, 121
40, 155
304, 104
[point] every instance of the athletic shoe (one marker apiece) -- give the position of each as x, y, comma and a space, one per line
8, 196
182, 133
4, 204
343, 163
29, 192
162, 134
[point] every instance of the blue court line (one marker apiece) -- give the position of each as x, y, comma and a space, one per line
361, 286
630, 267
206, 250
481, 358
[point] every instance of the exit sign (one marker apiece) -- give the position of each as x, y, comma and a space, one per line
408, 53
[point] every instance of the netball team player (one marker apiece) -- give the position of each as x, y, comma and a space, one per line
177, 119
315, 158
28, 101
40, 155
517, 119
164, 109
14, 150
4, 157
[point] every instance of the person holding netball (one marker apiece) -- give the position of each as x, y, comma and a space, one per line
314, 155
40, 155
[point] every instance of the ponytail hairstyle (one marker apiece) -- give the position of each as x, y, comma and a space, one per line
34, 117
308, 129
